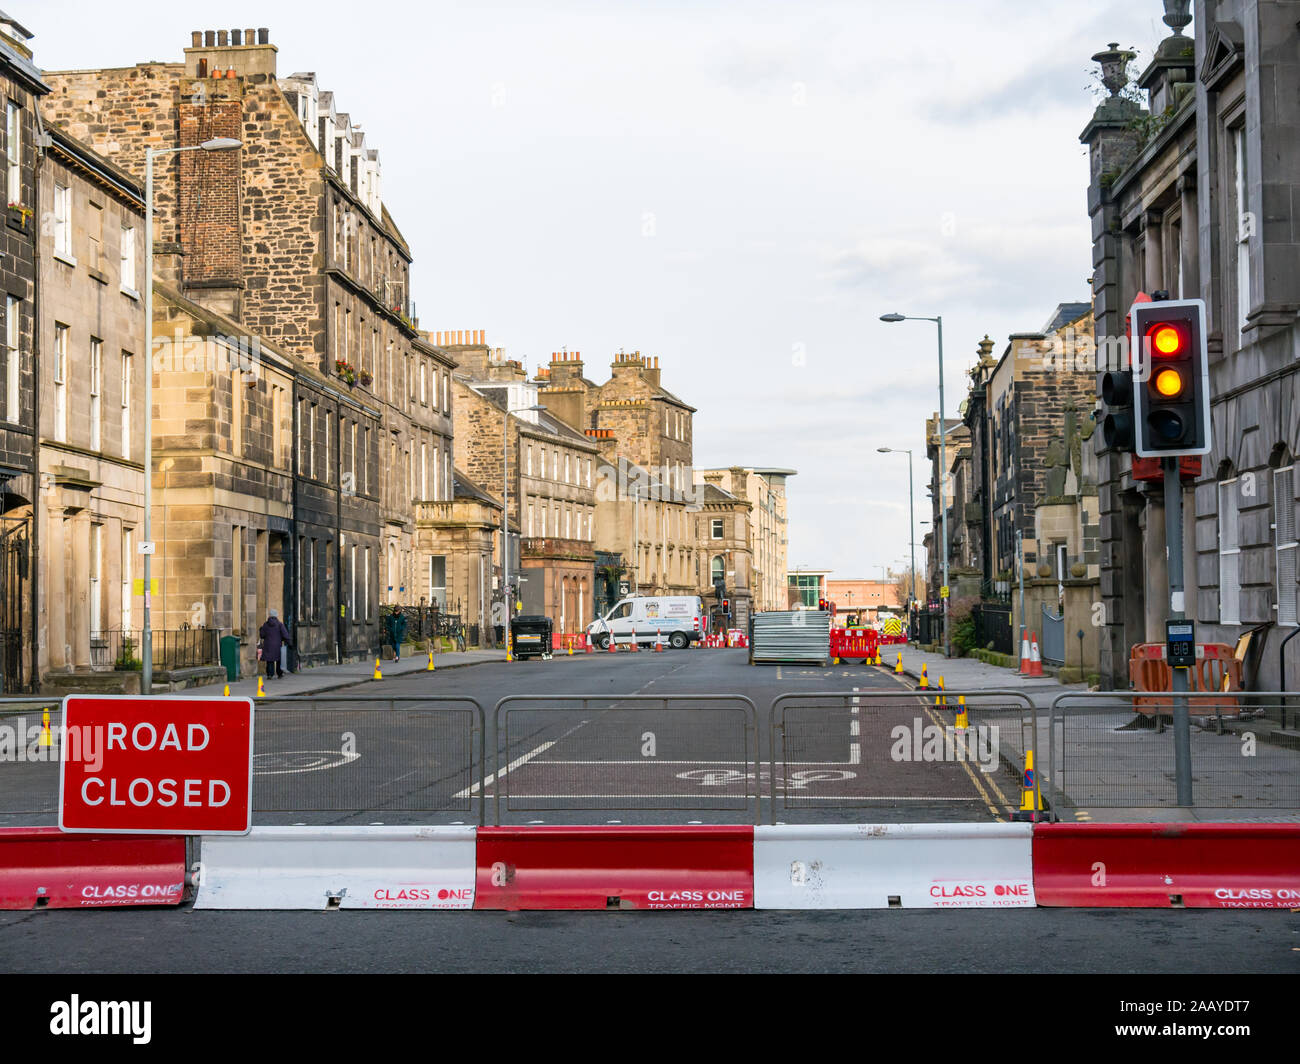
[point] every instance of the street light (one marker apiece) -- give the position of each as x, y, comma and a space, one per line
911, 509
146, 633
943, 465
505, 511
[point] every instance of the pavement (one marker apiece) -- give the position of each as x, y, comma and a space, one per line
324, 678
971, 674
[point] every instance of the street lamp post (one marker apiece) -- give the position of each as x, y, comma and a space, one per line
911, 509
943, 469
146, 631
505, 512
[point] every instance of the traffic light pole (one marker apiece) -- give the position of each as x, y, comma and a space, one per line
1174, 549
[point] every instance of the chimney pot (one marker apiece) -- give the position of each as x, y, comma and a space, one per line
196, 39
209, 38
250, 36
222, 38
263, 36
236, 37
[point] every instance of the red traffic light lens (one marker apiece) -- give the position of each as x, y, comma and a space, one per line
1167, 340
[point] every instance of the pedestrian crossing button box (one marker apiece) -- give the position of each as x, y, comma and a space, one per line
1180, 644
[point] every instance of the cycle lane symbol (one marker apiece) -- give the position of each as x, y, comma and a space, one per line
721, 777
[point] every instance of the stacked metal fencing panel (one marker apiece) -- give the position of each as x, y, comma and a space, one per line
790, 635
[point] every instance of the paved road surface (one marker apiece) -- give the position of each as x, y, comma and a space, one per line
971, 941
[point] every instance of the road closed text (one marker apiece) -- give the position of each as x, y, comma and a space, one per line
141, 791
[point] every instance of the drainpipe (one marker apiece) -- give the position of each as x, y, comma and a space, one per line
1281, 662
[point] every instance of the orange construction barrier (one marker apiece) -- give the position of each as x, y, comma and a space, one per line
1217, 669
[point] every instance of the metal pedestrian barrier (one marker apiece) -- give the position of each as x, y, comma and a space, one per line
1108, 750
900, 751
400, 757
625, 752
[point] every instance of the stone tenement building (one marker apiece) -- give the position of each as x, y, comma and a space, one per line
1024, 464
765, 488
23, 87
288, 238
647, 498
1192, 195
92, 411
723, 528
552, 477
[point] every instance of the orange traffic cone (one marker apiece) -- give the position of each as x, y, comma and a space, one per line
1024, 653
1035, 661
613, 646
632, 645
659, 641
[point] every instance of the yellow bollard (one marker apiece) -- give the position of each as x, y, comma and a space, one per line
898, 669
378, 675
963, 721
429, 667
1031, 802
260, 692
939, 700
225, 691
925, 677
46, 738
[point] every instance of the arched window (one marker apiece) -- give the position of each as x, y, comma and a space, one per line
717, 568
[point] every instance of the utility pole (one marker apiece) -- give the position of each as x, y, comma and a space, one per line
1174, 548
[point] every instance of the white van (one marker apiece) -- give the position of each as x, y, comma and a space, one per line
680, 619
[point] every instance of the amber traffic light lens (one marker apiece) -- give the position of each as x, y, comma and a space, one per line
1169, 382
1167, 340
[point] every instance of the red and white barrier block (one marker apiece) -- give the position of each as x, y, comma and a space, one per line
376, 867
46, 867
603, 867
1195, 866
884, 866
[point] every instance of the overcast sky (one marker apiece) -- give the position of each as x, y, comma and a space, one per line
740, 189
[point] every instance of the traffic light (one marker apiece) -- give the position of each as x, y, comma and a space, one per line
821, 605
1117, 425
1170, 380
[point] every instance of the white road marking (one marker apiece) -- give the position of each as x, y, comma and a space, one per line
493, 776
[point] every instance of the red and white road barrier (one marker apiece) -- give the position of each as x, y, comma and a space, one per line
815, 866
604, 867
882, 866
46, 867
1196, 866
377, 867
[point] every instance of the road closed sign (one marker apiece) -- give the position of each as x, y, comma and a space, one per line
176, 766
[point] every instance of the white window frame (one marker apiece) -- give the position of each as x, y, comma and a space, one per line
717, 528
126, 258
1229, 543
13, 358
60, 382
128, 588
1243, 230
1285, 546
63, 223
125, 400
96, 386
14, 151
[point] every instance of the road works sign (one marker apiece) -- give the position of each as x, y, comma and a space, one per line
179, 766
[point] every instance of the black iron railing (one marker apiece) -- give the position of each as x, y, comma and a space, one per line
182, 648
